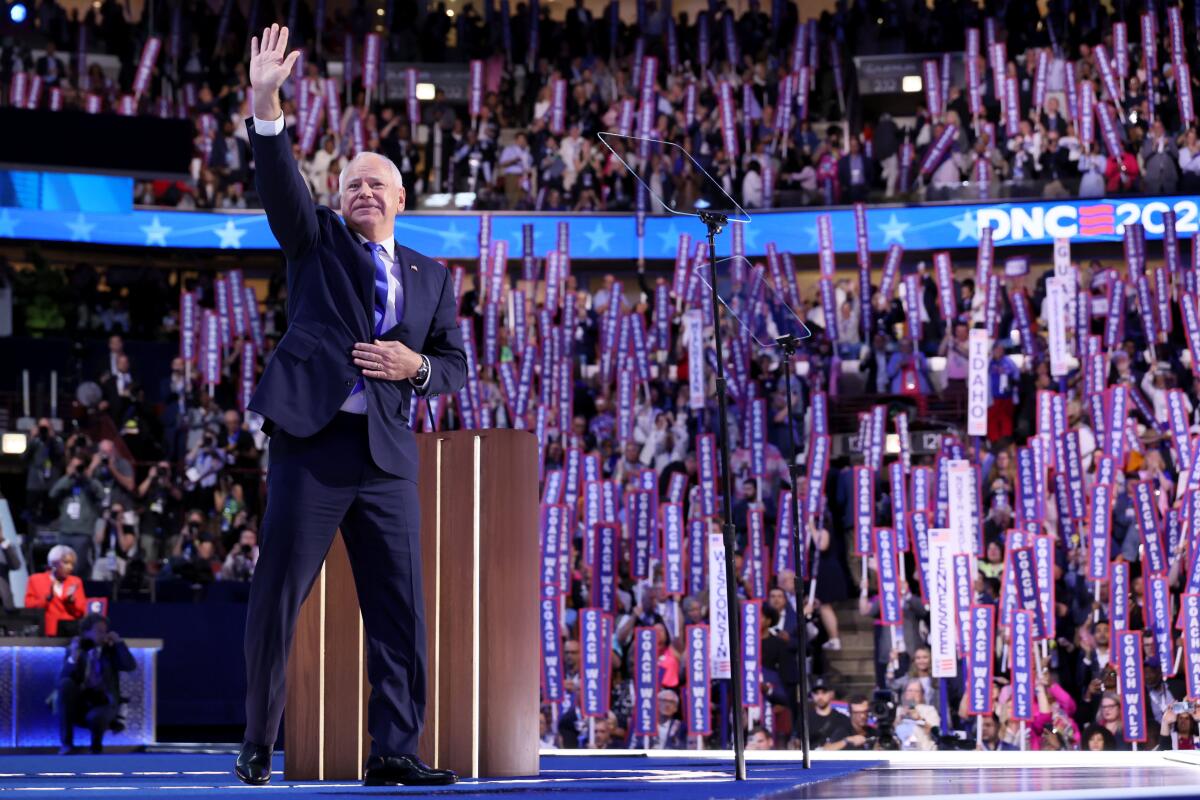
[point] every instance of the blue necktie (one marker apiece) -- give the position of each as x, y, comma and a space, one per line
382, 265
381, 284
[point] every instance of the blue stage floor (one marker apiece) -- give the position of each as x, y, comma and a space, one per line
150, 776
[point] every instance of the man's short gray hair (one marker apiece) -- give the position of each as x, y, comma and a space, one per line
59, 553
362, 156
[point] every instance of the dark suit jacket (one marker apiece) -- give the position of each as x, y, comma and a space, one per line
331, 302
114, 659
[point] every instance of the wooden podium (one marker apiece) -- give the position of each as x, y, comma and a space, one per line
479, 551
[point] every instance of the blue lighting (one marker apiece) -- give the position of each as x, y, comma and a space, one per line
17, 12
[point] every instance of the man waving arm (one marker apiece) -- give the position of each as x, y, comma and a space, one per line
285, 196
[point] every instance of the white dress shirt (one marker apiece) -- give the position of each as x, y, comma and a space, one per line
357, 403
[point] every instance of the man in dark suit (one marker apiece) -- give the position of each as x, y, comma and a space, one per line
89, 684
370, 322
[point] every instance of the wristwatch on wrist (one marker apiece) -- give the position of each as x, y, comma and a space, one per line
422, 372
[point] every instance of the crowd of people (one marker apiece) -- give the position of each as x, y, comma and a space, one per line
532, 145
171, 486
176, 492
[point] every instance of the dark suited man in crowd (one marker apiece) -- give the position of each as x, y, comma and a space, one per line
370, 322
89, 686
10, 560
44, 460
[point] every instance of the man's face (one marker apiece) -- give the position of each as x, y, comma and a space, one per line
987, 726
98, 632
571, 654
1101, 634
759, 740
749, 490
115, 344
371, 196
777, 599
858, 715
822, 698
122, 363
232, 423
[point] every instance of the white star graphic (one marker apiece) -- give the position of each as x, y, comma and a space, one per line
968, 226
598, 238
670, 238
156, 232
452, 237
893, 230
230, 235
7, 223
81, 229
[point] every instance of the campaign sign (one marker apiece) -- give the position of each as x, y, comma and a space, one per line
1118, 596
942, 599
864, 509
964, 591
552, 667
699, 688
604, 566
784, 521
672, 528
1100, 538
886, 570
592, 644
1158, 602
1191, 640
639, 520
980, 660
751, 653
1043, 563
1131, 684
645, 681
697, 553
1155, 556
1025, 572
1022, 665
718, 607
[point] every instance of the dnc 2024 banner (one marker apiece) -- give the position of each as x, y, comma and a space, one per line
614, 236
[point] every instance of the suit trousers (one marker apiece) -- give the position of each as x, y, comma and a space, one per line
315, 486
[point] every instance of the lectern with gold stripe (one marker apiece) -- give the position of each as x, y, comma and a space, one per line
479, 548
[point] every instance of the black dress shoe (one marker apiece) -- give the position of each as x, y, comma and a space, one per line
405, 769
254, 764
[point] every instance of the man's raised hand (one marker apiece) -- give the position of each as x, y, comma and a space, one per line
270, 62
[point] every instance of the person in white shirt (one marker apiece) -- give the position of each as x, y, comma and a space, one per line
752, 186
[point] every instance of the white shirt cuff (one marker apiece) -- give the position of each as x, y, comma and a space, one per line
265, 127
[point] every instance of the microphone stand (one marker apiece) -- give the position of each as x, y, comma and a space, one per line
715, 222
788, 344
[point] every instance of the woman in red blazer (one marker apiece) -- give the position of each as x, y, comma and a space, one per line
57, 590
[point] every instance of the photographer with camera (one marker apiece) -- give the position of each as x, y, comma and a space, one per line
118, 556
89, 686
862, 736
45, 458
202, 470
113, 473
161, 496
239, 564
916, 719
193, 554
1177, 731
80, 502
